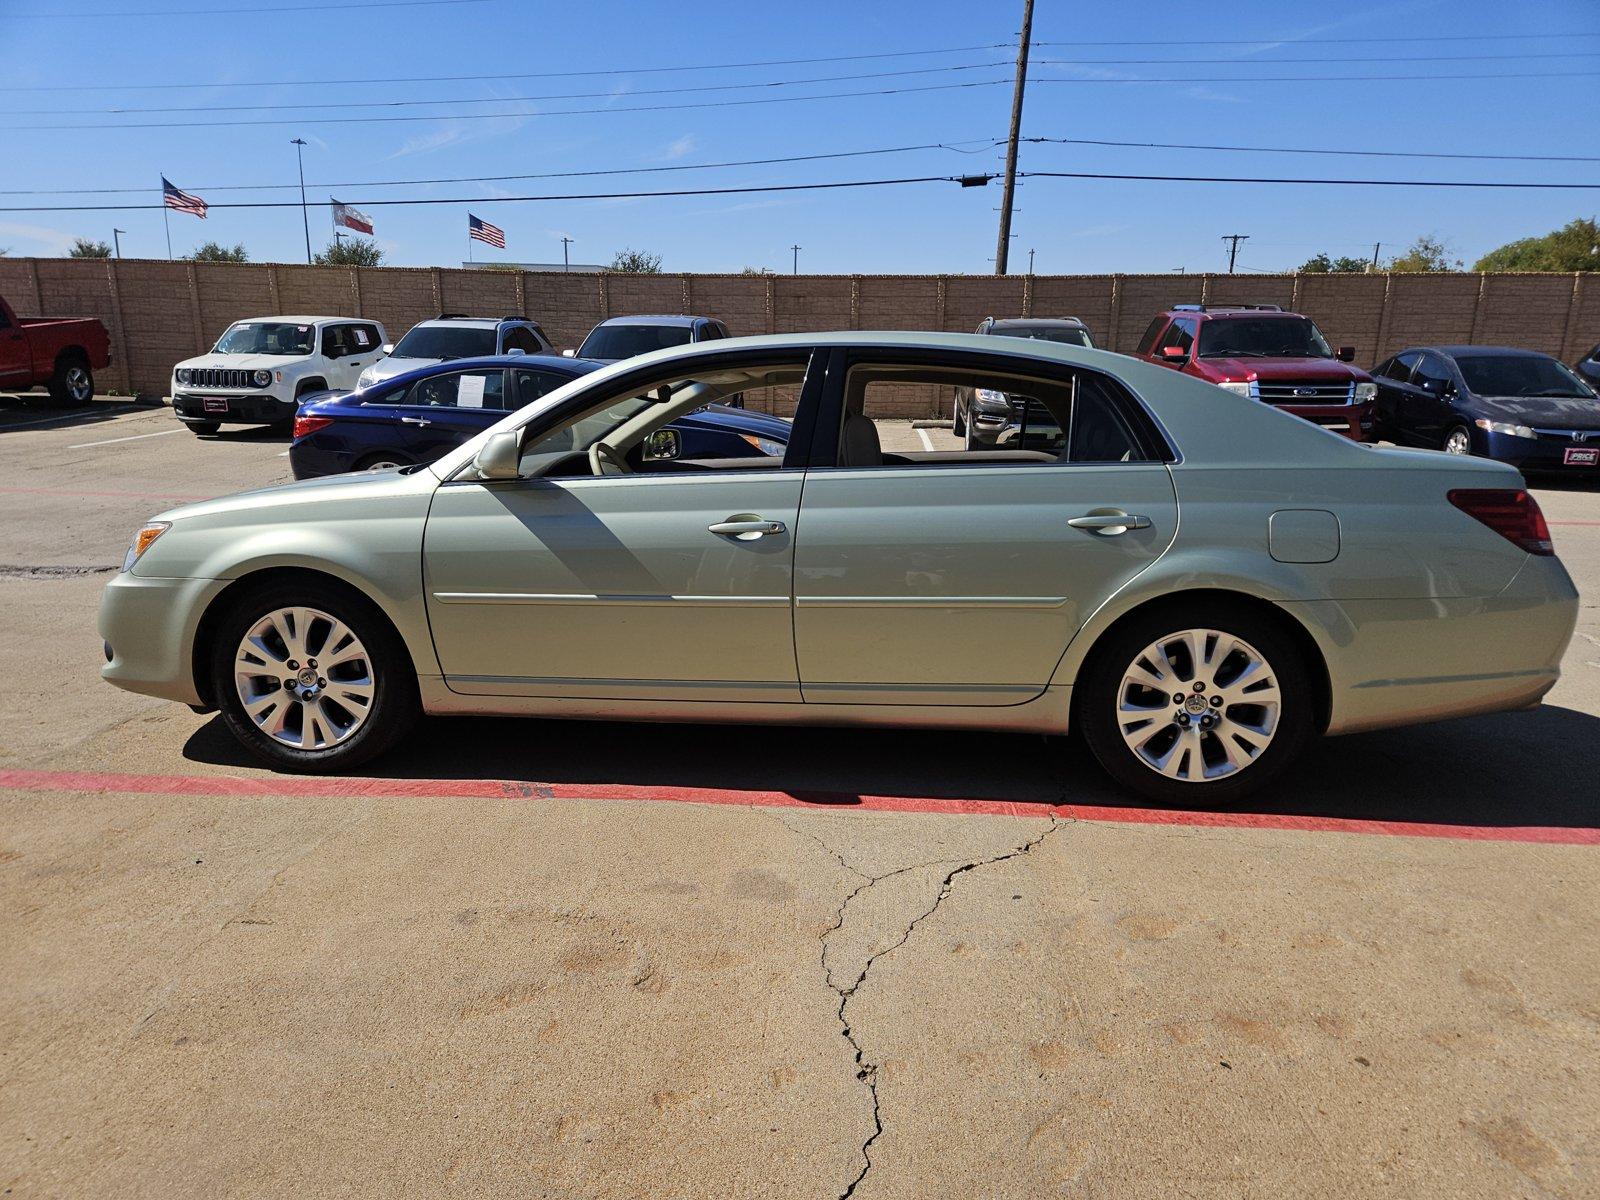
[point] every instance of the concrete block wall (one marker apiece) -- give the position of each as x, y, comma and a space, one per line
161, 312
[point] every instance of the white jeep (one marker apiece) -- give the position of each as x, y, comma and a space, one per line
261, 368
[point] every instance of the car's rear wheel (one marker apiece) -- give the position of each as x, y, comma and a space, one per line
312, 678
73, 382
1458, 441
1196, 704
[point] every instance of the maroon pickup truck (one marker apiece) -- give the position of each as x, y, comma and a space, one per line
59, 353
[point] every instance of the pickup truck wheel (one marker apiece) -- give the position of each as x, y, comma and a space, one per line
72, 383
203, 428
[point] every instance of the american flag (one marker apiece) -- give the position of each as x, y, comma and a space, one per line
485, 232
182, 201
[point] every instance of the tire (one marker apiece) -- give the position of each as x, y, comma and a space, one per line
350, 717
1158, 758
957, 425
1459, 436
203, 428
73, 382
381, 462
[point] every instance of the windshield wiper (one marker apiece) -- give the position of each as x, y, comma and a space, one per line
1233, 354
1562, 394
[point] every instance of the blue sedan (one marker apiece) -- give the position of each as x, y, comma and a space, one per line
423, 414
1518, 406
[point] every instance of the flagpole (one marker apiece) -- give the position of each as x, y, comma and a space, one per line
165, 219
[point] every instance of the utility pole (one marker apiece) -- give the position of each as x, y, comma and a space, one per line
796, 250
1233, 240
1004, 245
1030, 261
305, 219
1376, 246
116, 236
566, 262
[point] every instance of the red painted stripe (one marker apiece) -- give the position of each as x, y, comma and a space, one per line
341, 787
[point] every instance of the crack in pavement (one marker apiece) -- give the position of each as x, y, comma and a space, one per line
867, 1072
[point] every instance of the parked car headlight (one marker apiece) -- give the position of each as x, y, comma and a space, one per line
1238, 389
262, 378
142, 541
990, 396
1505, 427
765, 446
1366, 391
181, 375
366, 377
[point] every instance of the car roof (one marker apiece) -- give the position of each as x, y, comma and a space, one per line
298, 319
1224, 313
1480, 351
1035, 322
551, 362
652, 319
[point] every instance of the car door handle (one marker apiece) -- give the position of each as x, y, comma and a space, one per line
1110, 523
747, 528
415, 421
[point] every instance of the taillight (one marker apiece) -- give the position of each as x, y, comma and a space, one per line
1514, 515
305, 425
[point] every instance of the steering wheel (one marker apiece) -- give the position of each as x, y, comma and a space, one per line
604, 460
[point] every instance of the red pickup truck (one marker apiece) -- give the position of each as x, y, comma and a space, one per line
61, 353
1260, 351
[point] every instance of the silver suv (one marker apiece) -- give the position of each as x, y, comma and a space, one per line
986, 418
456, 335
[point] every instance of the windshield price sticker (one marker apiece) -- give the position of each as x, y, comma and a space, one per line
470, 394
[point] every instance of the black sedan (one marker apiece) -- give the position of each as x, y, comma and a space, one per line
1518, 406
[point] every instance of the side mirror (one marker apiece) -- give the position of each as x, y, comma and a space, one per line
569, 354
500, 456
386, 348
513, 352
1174, 353
663, 445
1346, 354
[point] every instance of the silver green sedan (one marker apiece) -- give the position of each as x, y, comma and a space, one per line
1198, 582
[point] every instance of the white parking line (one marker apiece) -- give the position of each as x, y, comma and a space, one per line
99, 412
927, 442
130, 438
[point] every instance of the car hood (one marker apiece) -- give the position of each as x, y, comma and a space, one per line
243, 362
1324, 369
387, 368
329, 488
738, 420
1558, 412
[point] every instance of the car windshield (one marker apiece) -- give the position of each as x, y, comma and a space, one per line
1067, 335
1520, 375
446, 341
1262, 337
624, 341
267, 337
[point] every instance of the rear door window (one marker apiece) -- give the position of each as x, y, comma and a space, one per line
454, 389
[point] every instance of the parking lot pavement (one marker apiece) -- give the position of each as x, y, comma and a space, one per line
592, 959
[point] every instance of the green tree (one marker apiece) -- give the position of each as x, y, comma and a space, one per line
84, 248
1321, 264
217, 252
756, 271
636, 262
349, 252
1427, 253
1573, 247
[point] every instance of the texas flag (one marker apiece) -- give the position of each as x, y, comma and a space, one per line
351, 218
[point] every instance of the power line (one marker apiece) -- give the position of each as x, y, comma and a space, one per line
1272, 62
232, 12
500, 76
552, 112
1251, 79
1565, 35
1308, 150
964, 181
981, 145
706, 87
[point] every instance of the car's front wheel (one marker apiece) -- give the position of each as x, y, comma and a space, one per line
312, 678
204, 428
1196, 704
1458, 441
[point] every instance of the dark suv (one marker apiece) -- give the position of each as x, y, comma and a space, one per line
986, 418
1260, 351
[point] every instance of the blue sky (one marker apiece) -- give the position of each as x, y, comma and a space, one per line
1073, 225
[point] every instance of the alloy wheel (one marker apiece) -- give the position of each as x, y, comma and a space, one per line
79, 389
1198, 705
1458, 442
304, 678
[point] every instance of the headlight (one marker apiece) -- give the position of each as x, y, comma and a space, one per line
142, 541
990, 396
1505, 427
1366, 391
182, 375
262, 378
1238, 389
765, 446
366, 377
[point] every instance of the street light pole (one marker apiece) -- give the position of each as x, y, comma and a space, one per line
305, 219
1004, 246
116, 236
796, 269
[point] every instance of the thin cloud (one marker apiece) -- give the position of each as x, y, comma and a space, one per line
55, 239
679, 147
